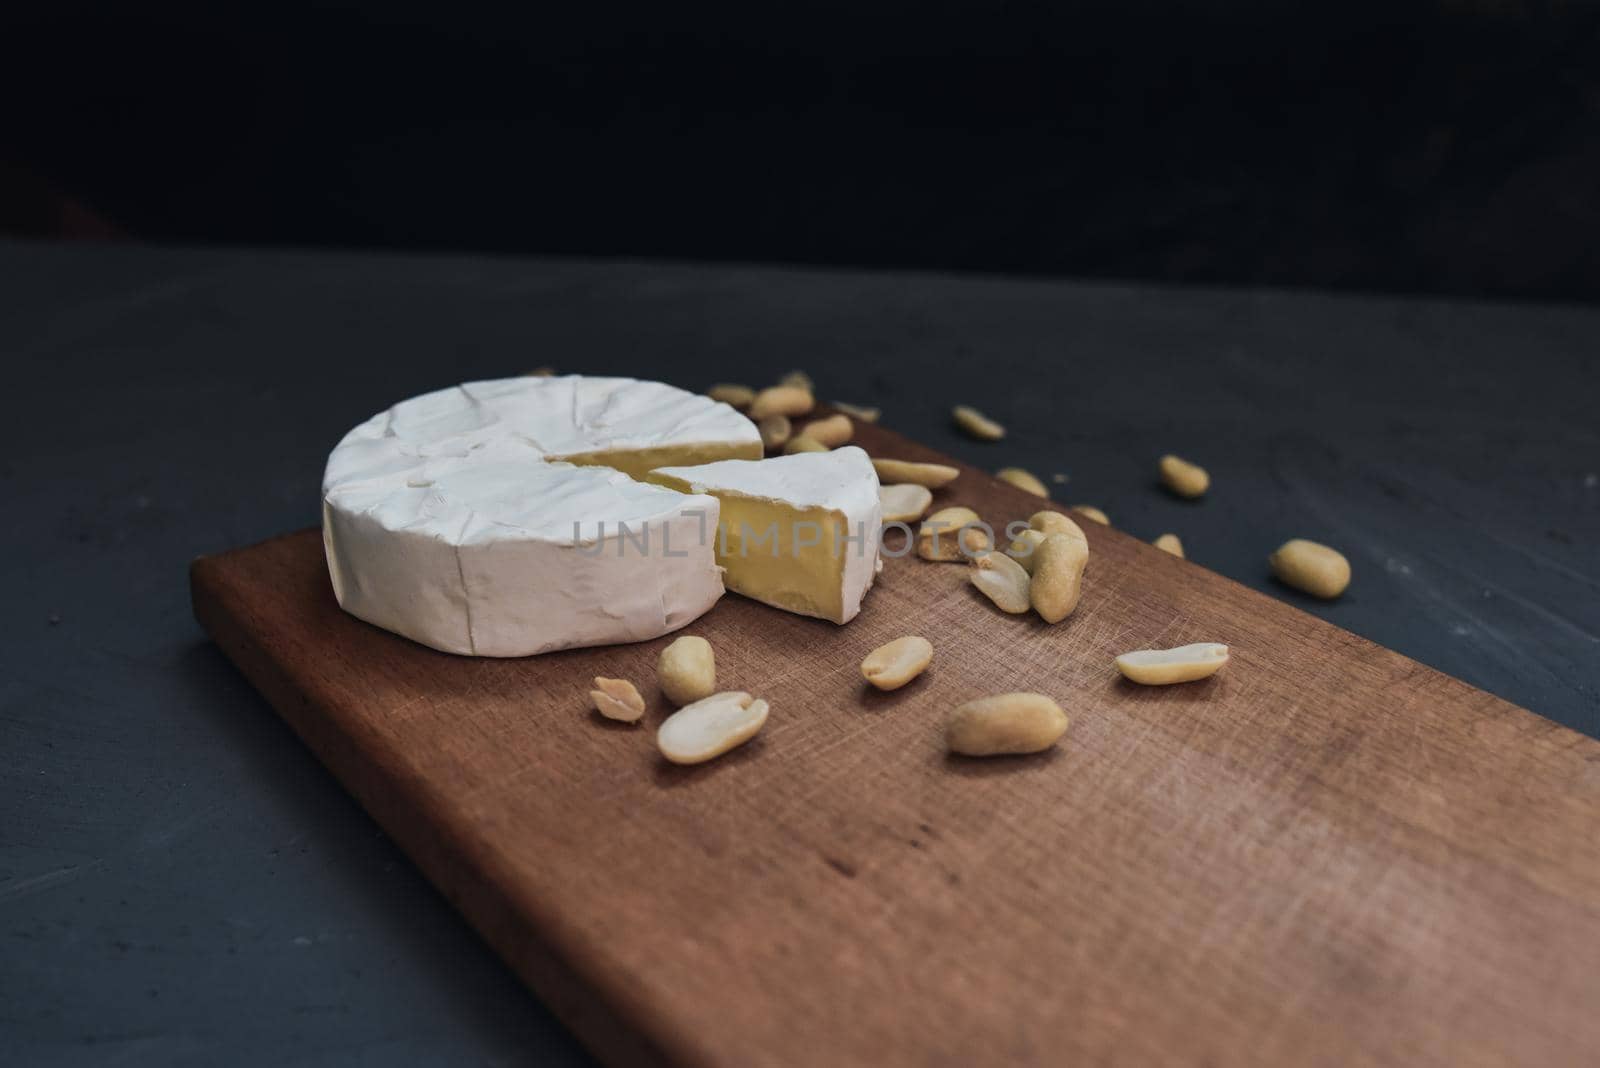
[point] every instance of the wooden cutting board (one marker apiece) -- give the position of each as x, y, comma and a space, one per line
1328, 854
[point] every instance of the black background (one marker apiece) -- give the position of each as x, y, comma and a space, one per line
1409, 147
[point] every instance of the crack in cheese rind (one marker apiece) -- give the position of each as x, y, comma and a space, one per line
450, 519
797, 532
638, 463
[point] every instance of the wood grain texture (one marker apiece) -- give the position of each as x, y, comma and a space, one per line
1327, 854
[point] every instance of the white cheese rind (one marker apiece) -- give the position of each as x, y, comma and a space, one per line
446, 521
842, 480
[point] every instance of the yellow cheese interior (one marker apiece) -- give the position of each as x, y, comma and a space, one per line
638, 463
756, 545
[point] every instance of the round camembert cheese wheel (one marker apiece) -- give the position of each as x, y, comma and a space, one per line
507, 518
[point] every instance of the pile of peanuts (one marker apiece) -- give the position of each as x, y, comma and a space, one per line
1040, 570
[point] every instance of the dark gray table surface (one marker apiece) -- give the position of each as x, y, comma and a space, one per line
182, 883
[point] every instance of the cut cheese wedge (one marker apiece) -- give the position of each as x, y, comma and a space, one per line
797, 532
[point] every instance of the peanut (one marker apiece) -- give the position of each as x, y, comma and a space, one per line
1058, 576
730, 393
710, 727
1049, 522
803, 443
1169, 543
856, 411
617, 699
931, 475
775, 430
1163, 667
891, 666
781, 400
800, 380
1003, 580
1309, 566
952, 534
905, 502
1182, 477
1005, 723
977, 424
1092, 512
686, 671
1024, 548
832, 431
1023, 480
